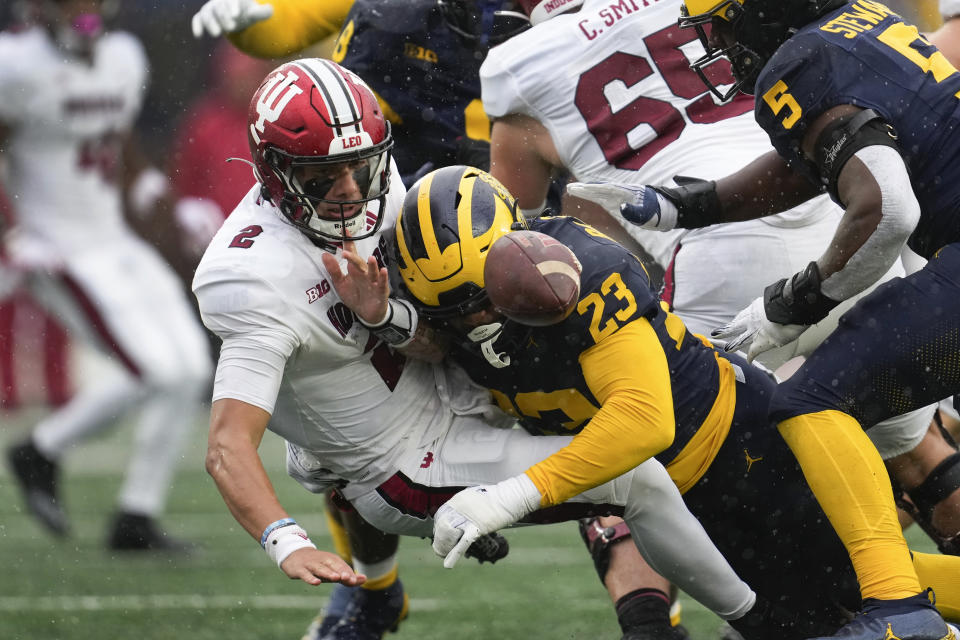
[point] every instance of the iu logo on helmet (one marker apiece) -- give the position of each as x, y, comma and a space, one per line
274, 98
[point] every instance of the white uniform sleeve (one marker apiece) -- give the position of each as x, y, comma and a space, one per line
14, 85
127, 48
499, 88
249, 316
949, 8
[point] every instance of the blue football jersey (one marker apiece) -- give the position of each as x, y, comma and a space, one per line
544, 385
428, 79
865, 55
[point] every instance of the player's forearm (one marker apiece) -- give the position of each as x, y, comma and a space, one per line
617, 439
236, 429
765, 186
881, 213
243, 482
634, 423
294, 26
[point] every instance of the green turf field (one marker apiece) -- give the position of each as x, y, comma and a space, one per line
57, 589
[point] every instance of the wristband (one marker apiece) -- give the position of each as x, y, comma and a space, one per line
398, 326
696, 201
285, 540
273, 526
798, 299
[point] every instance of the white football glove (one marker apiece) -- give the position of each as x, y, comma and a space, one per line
751, 328
217, 17
480, 510
642, 205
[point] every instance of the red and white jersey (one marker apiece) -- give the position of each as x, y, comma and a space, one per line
292, 348
612, 84
66, 120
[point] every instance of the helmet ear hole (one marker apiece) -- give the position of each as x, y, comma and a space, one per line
271, 158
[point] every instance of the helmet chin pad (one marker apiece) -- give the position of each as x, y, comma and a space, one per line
88, 25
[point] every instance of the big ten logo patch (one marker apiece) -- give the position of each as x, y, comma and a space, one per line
341, 318
417, 52
318, 291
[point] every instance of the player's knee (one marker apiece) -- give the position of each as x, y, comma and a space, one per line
599, 540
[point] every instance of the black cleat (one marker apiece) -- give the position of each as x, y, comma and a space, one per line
340, 598
655, 632
371, 614
133, 532
37, 476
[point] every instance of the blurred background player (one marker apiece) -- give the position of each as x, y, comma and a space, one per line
208, 140
71, 94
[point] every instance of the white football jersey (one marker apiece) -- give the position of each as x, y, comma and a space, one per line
292, 348
66, 120
613, 86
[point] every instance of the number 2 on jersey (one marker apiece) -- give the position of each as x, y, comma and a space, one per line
244, 239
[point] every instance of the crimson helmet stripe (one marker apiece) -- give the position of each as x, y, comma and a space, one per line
341, 105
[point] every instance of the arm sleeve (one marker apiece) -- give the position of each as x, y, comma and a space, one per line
676, 545
900, 212
13, 85
634, 423
248, 316
294, 26
499, 89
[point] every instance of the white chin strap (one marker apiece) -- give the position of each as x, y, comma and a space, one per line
485, 335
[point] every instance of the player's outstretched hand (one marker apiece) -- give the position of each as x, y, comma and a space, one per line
642, 205
364, 288
751, 330
314, 567
476, 511
217, 17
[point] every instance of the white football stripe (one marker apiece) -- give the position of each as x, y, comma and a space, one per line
177, 601
336, 96
558, 266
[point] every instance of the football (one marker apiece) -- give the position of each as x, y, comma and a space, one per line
532, 278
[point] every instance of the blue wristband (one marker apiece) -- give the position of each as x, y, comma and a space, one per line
273, 526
